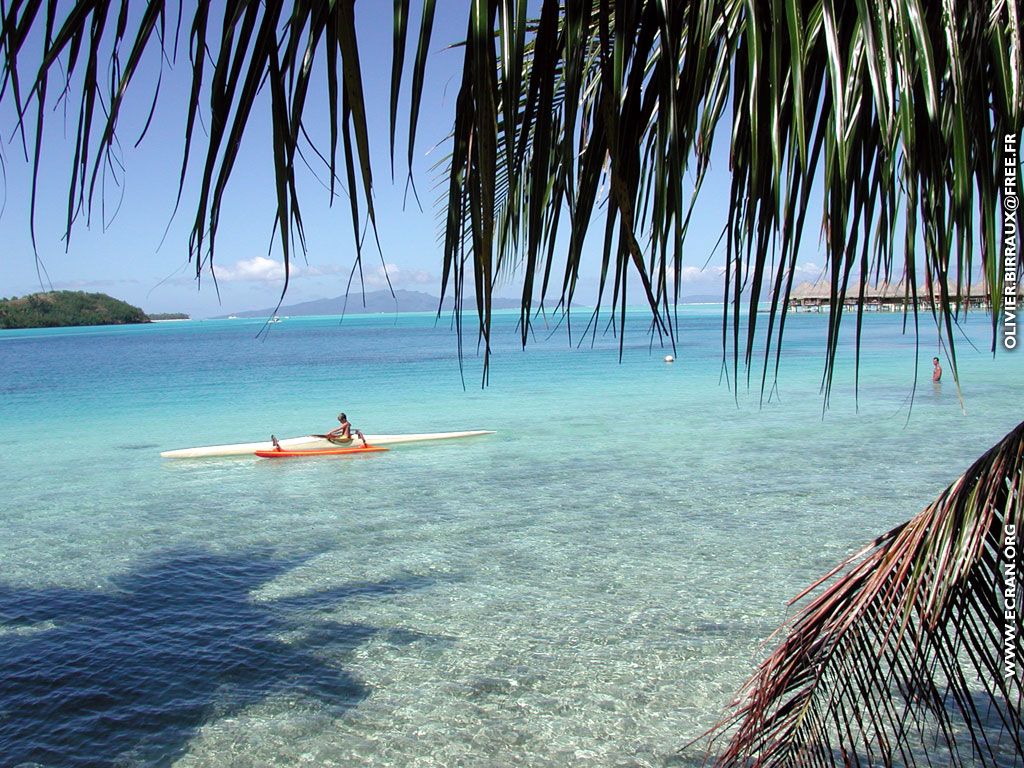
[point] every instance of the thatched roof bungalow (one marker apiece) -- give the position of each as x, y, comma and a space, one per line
886, 296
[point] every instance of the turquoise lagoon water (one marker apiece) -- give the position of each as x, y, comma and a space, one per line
589, 586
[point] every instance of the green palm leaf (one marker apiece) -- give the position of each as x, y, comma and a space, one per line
601, 115
888, 115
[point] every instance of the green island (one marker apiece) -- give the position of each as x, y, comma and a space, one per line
55, 309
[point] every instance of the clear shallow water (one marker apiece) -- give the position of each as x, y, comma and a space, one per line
587, 587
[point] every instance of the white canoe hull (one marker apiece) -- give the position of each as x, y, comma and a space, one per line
311, 443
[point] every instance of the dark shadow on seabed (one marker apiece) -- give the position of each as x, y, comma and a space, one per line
129, 674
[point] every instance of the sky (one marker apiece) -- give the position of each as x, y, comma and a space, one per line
123, 249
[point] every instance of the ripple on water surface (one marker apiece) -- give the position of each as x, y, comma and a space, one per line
587, 587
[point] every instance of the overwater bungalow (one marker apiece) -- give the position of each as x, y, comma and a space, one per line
887, 297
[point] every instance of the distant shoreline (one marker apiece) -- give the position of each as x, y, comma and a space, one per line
406, 302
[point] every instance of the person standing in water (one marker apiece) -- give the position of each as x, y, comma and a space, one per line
936, 370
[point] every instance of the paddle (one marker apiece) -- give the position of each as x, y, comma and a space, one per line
334, 438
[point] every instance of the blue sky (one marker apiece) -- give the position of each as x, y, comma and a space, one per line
122, 254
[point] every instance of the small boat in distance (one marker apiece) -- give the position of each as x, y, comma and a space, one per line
232, 317
313, 443
275, 319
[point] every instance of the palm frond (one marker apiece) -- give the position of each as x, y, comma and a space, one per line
258, 44
602, 114
599, 115
902, 658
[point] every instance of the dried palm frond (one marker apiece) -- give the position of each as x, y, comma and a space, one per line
912, 653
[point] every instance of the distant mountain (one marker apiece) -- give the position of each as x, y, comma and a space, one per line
402, 301
375, 301
57, 309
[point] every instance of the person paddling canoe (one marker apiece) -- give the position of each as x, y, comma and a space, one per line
343, 432
340, 434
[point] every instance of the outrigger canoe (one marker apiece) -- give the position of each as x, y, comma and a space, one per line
276, 454
312, 443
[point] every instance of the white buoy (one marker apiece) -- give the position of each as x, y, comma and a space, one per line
669, 359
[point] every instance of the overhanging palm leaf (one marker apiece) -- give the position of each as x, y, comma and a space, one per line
901, 659
259, 43
890, 116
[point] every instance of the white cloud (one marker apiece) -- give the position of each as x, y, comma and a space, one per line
399, 276
258, 269
261, 269
804, 270
807, 270
694, 274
